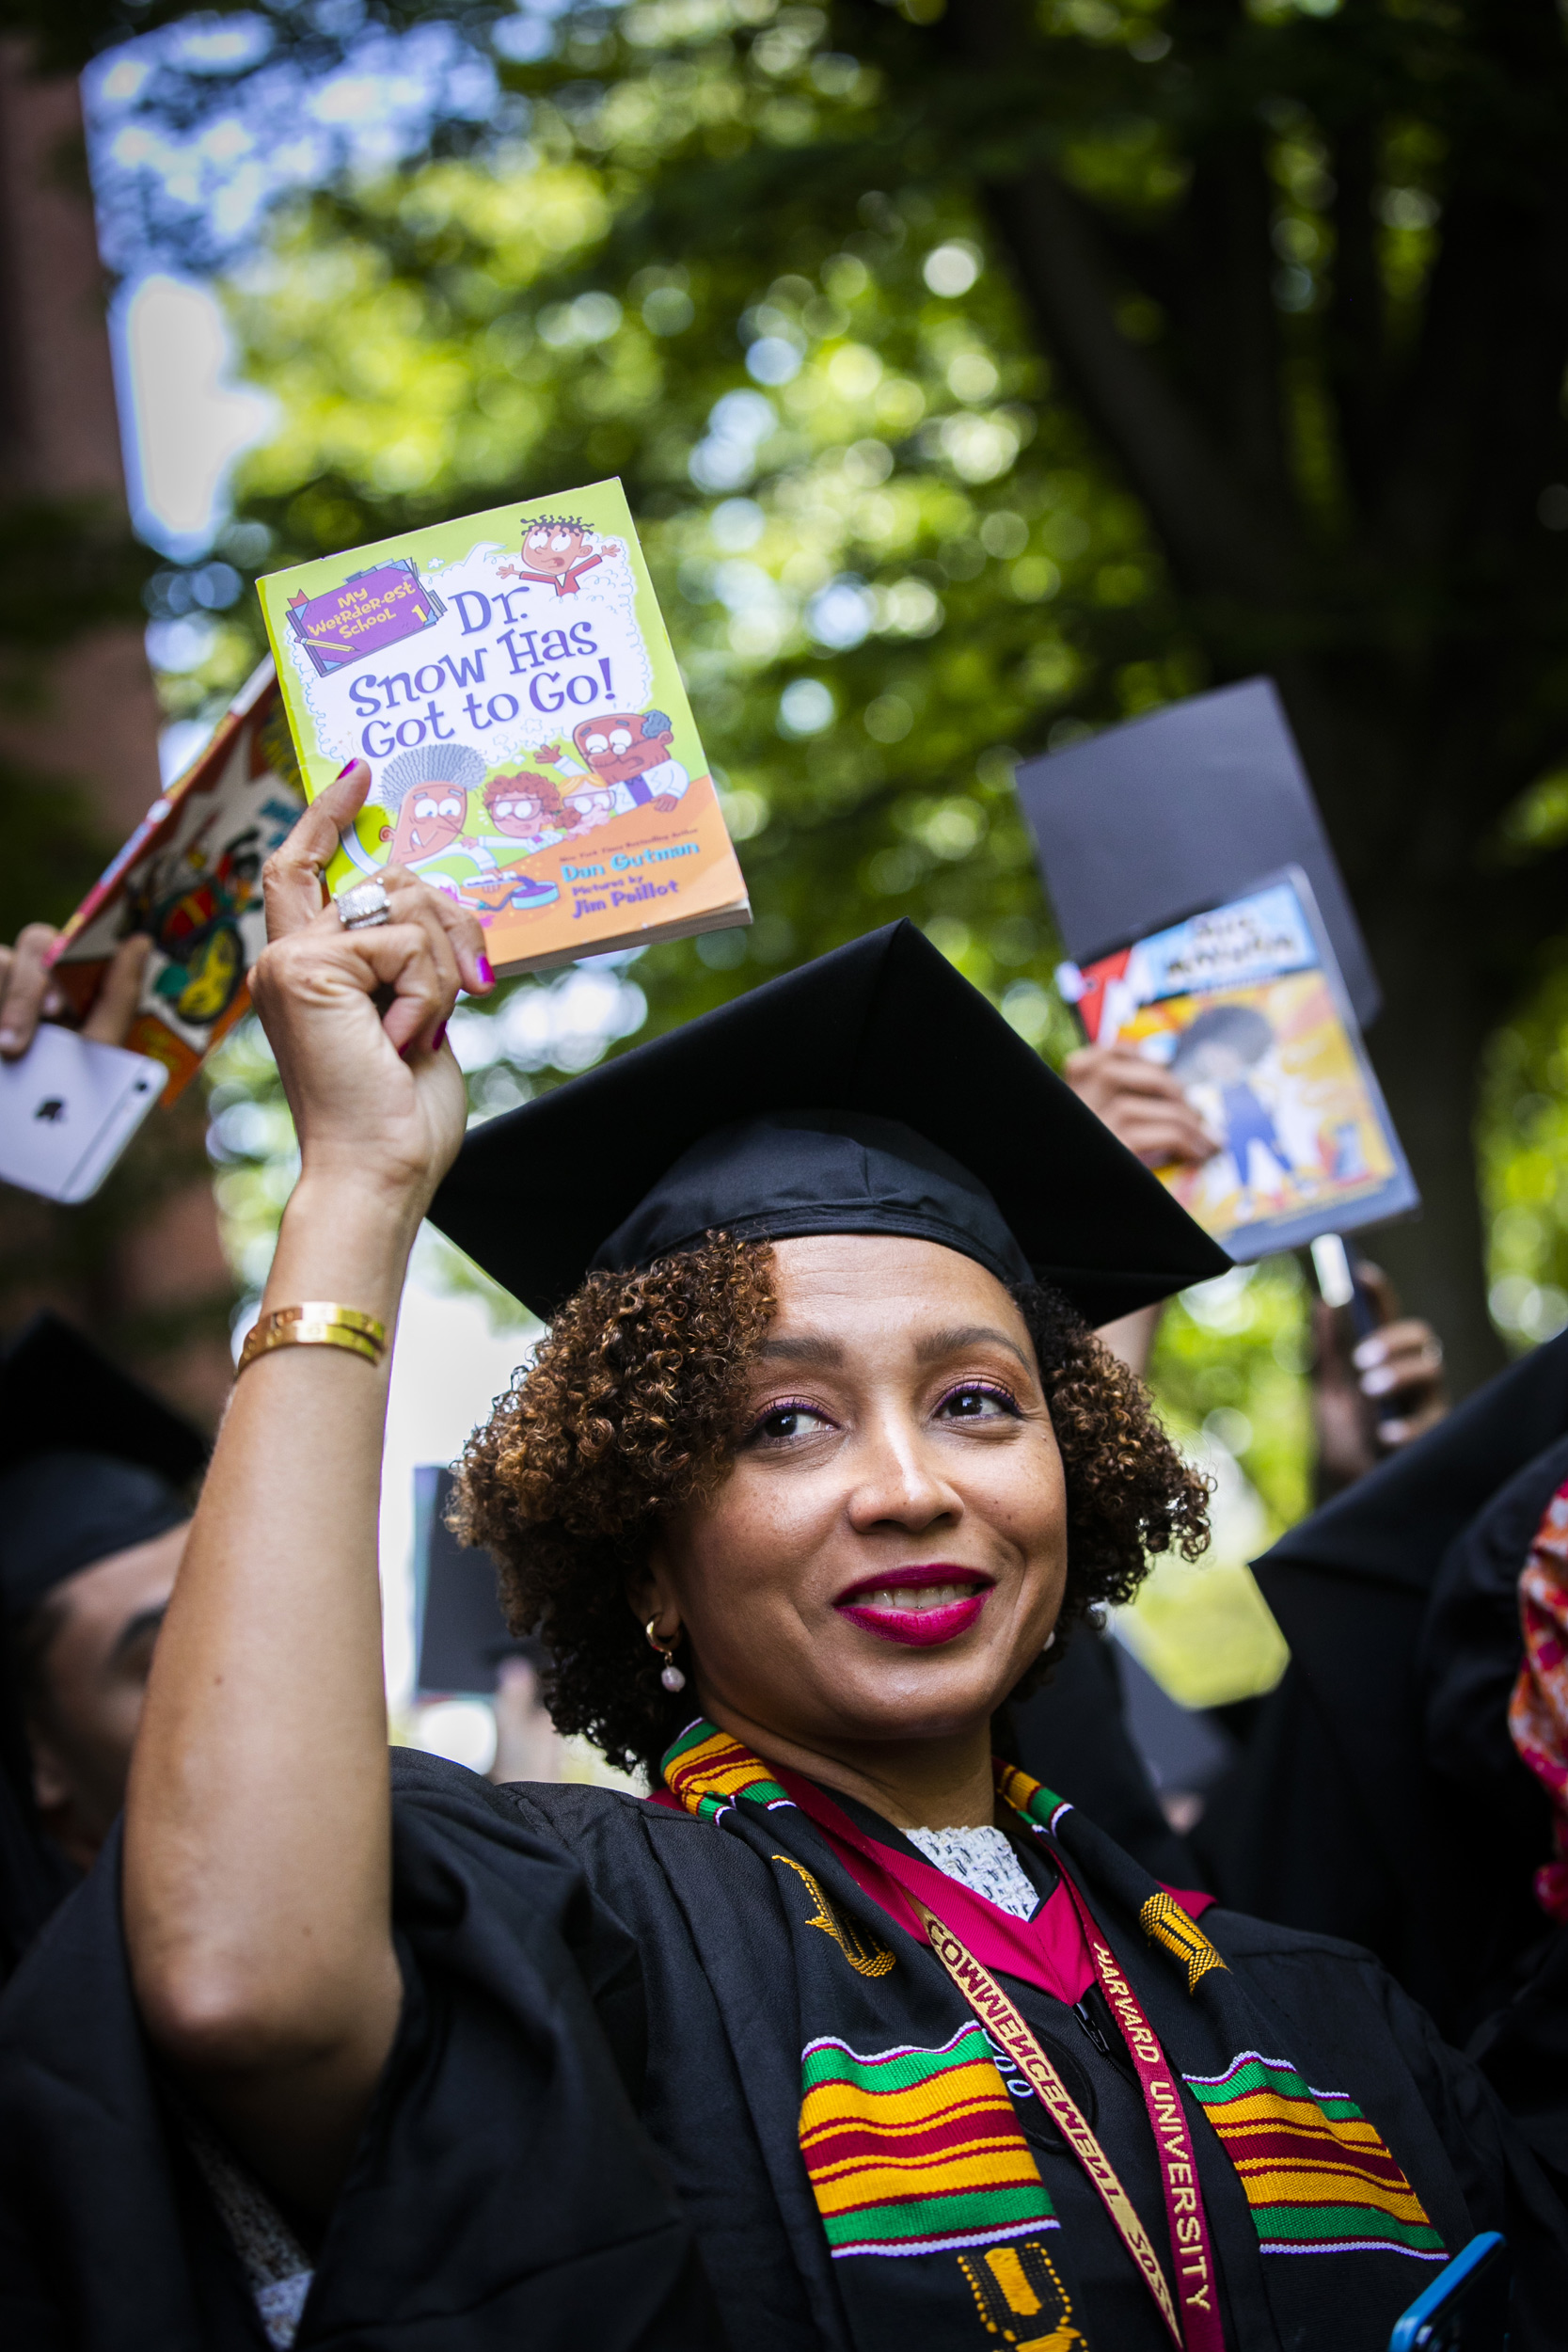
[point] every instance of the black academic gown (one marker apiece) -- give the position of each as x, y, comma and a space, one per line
35, 1876
596, 2082
1513, 1961
1333, 1820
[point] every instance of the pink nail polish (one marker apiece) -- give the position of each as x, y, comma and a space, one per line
439, 1038
345, 770
487, 977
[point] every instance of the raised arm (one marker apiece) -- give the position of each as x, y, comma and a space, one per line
257, 1836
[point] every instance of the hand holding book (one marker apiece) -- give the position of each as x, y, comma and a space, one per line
1143, 1106
510, 681
358, 1018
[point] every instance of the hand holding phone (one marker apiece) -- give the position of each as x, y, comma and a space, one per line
30, 992
69, 1106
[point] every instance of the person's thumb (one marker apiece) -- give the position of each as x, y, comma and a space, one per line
115, 1007
291, 879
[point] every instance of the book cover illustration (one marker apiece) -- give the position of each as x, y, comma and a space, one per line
1243, 1004
191, 875
510, 681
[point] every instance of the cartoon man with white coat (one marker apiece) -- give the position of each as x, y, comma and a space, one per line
631, 750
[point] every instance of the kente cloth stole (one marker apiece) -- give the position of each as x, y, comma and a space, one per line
937, 2221
1538, 1711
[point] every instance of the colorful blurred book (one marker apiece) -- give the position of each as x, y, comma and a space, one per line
1244, 1004
191, 875
510, 680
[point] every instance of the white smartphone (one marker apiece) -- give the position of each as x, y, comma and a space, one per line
69, 1108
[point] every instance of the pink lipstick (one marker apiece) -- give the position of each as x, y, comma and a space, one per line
951, 1599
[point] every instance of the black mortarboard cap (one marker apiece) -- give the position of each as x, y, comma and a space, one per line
871, 1091
90, 1462
1180, 810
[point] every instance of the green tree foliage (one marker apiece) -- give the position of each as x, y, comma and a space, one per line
65, 35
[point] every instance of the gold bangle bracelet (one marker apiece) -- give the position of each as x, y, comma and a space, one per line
316, 1323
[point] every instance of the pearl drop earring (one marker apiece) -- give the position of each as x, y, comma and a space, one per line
672, 1675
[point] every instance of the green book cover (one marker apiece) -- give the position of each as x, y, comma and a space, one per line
508, 678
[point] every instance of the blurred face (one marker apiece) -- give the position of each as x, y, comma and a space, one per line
1215, 1064
94, 1678
429, 820
889, 1552
617, 749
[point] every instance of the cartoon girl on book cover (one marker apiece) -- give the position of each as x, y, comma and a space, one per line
1222, 1049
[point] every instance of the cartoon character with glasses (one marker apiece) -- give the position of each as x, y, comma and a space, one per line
630, 752
525, 813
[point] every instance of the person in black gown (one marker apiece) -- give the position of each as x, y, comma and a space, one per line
95, 1477
847, 2035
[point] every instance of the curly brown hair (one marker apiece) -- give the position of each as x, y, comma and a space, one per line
634, 1406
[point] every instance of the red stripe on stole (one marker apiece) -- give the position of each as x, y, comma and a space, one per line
860, 2143
1273, 2146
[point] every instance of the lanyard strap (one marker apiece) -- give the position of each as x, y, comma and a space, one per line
1191, 2242
1198, 2329
985, 1998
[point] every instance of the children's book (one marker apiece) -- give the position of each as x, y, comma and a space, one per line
1180, 808
510, 680
191, 874
1244, 1004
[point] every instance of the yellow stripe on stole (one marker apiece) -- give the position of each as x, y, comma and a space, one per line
719, 1759
885, 2184
1279, 2185
892, 2154
1269, 2108
962, 2090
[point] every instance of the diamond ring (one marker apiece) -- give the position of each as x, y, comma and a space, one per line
362, 906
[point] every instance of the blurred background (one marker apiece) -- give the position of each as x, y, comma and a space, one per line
979, 376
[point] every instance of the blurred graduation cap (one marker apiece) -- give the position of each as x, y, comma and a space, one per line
90, 1463
873, 1090
1183, 809
462, 1635
1332, 1821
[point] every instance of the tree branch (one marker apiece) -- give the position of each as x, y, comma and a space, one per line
1215, 537
1218, 541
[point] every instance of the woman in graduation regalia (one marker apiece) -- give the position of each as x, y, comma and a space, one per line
848, 2035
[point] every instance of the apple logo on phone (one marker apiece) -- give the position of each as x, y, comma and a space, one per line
68, 1108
